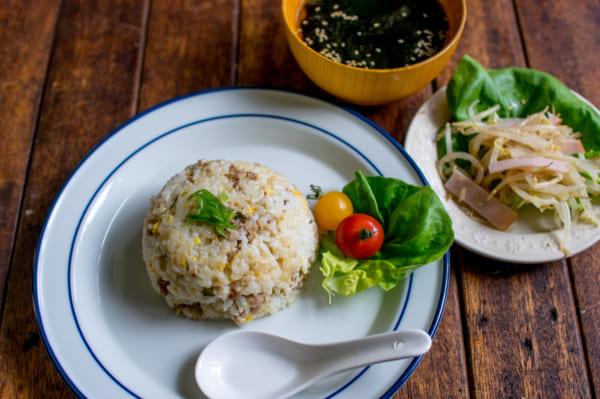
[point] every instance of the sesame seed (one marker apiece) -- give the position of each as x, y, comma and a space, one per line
329, 24
341, 14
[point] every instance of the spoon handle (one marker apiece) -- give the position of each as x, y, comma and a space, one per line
373, 349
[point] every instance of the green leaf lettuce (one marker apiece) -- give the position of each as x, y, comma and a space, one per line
417, 231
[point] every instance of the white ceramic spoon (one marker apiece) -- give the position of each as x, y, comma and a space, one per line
256, 365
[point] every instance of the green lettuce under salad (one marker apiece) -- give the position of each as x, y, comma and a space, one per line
417, 231
520, 92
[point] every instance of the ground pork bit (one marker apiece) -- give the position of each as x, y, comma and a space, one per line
163, 285
193, 310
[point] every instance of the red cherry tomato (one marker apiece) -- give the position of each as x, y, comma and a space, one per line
359, 236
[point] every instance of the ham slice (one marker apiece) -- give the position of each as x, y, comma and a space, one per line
572, 146
534, 162
478, 199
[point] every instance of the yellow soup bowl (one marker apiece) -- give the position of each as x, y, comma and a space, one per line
363, 86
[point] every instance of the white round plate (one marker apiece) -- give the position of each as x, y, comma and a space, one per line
532, 238
112, 336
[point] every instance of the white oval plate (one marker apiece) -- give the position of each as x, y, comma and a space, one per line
106, 330
532, 238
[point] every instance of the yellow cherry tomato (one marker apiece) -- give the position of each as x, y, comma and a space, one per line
331, 209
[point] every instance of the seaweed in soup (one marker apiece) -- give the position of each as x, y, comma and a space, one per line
412, 32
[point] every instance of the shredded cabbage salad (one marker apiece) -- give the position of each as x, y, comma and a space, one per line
535, 160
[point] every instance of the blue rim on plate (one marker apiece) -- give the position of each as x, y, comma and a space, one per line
437, 312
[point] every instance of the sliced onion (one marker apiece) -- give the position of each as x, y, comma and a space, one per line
536, 158
453, 156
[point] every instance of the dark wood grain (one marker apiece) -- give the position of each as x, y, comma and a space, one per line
573, 59
191, 46
263, 51
491, 36
443, 370
24, 56
89, 91
522, 330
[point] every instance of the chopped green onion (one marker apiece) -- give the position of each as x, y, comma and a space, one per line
212, 210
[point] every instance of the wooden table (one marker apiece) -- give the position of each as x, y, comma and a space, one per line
72, 71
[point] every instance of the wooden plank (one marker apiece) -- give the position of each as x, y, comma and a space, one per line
190, 47
24, 55
520, 324
585, 273
264, 57
443, 371
491, 36
522, 330
90, 90
567, 48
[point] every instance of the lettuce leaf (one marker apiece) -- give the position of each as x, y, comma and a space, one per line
520, 92
417, 231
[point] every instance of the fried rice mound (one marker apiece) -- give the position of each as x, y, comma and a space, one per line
255, 268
